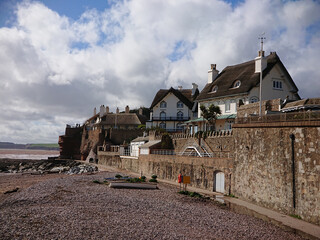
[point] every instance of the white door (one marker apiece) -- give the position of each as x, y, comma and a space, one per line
220, 182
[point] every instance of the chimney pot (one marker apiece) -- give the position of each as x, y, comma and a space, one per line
127, 109
117, 111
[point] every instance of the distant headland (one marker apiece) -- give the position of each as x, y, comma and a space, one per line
36, 146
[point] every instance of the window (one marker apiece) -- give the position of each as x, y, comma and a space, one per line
179, 104
254, 99
163, 115
236, 84
227, 109
179, 115
214, 89
162, 125
277, 84
163, 104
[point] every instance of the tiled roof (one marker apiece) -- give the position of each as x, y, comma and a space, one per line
184, 95
245, 72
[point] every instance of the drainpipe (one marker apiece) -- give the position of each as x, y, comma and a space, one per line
292, 137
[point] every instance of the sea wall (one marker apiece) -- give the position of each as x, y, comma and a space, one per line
201, 170
262, 171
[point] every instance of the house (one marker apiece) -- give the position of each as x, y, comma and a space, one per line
239, 84
170, 108
135, 145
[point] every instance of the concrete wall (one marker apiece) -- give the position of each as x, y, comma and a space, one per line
262, 171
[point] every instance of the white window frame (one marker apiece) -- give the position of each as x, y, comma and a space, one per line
163, 115
277, 84
163, 104
227, 106
180, 115
179, 104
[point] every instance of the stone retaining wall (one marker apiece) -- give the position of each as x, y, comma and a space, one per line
201, 170
263, 169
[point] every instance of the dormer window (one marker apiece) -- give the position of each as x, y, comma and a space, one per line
214, 89
236, 84
179, 104
163, 104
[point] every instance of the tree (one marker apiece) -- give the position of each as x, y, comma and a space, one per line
211, 113
166, 142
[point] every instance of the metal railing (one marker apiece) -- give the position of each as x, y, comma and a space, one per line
284, 117
191, 153
170, 118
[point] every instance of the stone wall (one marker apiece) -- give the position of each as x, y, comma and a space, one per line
262, 170
90, 140
253, 108
119, 136
200, 170
220, 144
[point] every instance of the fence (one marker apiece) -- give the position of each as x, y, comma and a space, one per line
284, 117
193, 154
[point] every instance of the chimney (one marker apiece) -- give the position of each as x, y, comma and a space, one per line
117, 111
194, 88
260, 61
127, 109
107, 109
212, 73
94, 111
179, 88
140, 111
102, 110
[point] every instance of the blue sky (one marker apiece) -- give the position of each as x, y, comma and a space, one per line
60, 59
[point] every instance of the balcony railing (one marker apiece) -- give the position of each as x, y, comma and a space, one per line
170, 118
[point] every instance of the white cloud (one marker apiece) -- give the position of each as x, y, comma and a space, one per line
55, 70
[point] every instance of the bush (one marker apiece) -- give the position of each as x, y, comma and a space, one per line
143, 178
153, 180
96, 181
154, 176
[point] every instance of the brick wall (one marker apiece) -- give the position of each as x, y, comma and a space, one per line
262, 170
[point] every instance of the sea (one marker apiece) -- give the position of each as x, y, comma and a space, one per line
28, 154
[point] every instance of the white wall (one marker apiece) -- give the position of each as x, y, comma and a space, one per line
171, 110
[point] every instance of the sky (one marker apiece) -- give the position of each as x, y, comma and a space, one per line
60, 59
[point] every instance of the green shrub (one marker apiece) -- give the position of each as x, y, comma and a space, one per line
96, 181
295, 216
154, 176
153, 180
143, 178
118, 176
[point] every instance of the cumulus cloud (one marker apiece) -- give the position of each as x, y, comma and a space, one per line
54, 70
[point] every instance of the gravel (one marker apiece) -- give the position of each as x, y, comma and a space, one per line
75, 207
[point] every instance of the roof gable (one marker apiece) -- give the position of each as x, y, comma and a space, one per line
184, 95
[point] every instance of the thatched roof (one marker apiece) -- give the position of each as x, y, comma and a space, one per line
244, 72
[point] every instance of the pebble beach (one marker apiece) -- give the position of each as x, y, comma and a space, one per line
59, 206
